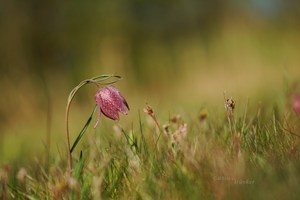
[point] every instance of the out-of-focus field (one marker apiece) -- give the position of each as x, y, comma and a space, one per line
182, 77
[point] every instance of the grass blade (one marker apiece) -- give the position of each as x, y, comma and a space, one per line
83, 129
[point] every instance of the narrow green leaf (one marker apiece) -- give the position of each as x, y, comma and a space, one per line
83, 129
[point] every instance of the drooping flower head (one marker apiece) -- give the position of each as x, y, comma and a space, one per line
110, 102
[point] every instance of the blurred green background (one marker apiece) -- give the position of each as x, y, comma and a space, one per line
177, 55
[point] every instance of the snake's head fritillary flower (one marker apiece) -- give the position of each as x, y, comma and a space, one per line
110, 102
296, 103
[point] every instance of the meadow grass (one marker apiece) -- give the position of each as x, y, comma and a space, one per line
248, 155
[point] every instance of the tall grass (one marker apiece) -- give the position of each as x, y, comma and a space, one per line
203, 158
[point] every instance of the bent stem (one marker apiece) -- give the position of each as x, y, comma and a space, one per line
103, 80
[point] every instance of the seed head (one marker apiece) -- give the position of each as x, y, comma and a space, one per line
229, 106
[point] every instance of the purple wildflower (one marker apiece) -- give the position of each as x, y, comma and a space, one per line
110, 102
296, 103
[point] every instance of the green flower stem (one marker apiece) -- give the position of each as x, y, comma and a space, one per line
98, 80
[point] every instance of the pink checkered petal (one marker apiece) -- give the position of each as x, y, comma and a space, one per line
118, 100
108, 108
98, 119
110, 103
